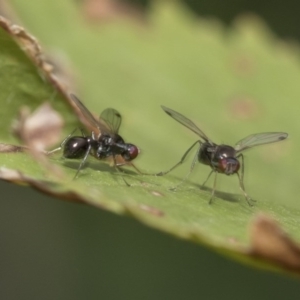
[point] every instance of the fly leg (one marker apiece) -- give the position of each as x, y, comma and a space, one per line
214, 187
207, 178
61, 145
83, 160
131, 165
241, 180
181, 161
117, 167
191, 168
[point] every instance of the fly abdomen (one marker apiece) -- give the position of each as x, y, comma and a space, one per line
75, 147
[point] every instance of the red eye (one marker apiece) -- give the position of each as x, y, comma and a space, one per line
131, 153
229, 165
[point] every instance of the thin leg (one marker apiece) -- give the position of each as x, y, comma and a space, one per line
241, 180
248, 199
83, 160
181, 161
214, 188
243, 166
61, 145
54, 150
132, 165
119, 171
191, 169
207, 178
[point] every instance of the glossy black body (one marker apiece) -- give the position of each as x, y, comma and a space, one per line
76, 147
222, 159
105, 146
104, 140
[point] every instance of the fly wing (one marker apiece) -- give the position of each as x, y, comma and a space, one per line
187, 123
89, 119
112, 119
259, 139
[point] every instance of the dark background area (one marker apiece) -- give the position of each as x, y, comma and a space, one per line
50, 249
281, 16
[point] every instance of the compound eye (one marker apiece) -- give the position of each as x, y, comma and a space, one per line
229, 166
131, 153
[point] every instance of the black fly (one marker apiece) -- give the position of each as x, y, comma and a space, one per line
222, 159
103, 142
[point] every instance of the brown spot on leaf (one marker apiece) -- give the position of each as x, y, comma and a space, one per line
151, 210
270, 242
39, 129
7, 148
157, 194
10, 175
243, 108
110, 10
244, 65
233, 241
29, 43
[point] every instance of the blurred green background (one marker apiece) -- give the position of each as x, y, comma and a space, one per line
55, 250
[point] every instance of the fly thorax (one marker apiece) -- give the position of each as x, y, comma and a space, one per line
99, 151
110, 144
118, 139
206, 153
105, 140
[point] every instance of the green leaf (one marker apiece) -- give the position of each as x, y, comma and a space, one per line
230, 82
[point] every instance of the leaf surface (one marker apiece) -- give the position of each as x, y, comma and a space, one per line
230, 82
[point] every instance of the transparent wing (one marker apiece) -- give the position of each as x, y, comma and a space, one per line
187, 123
112, 119
259, 139
89, 119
